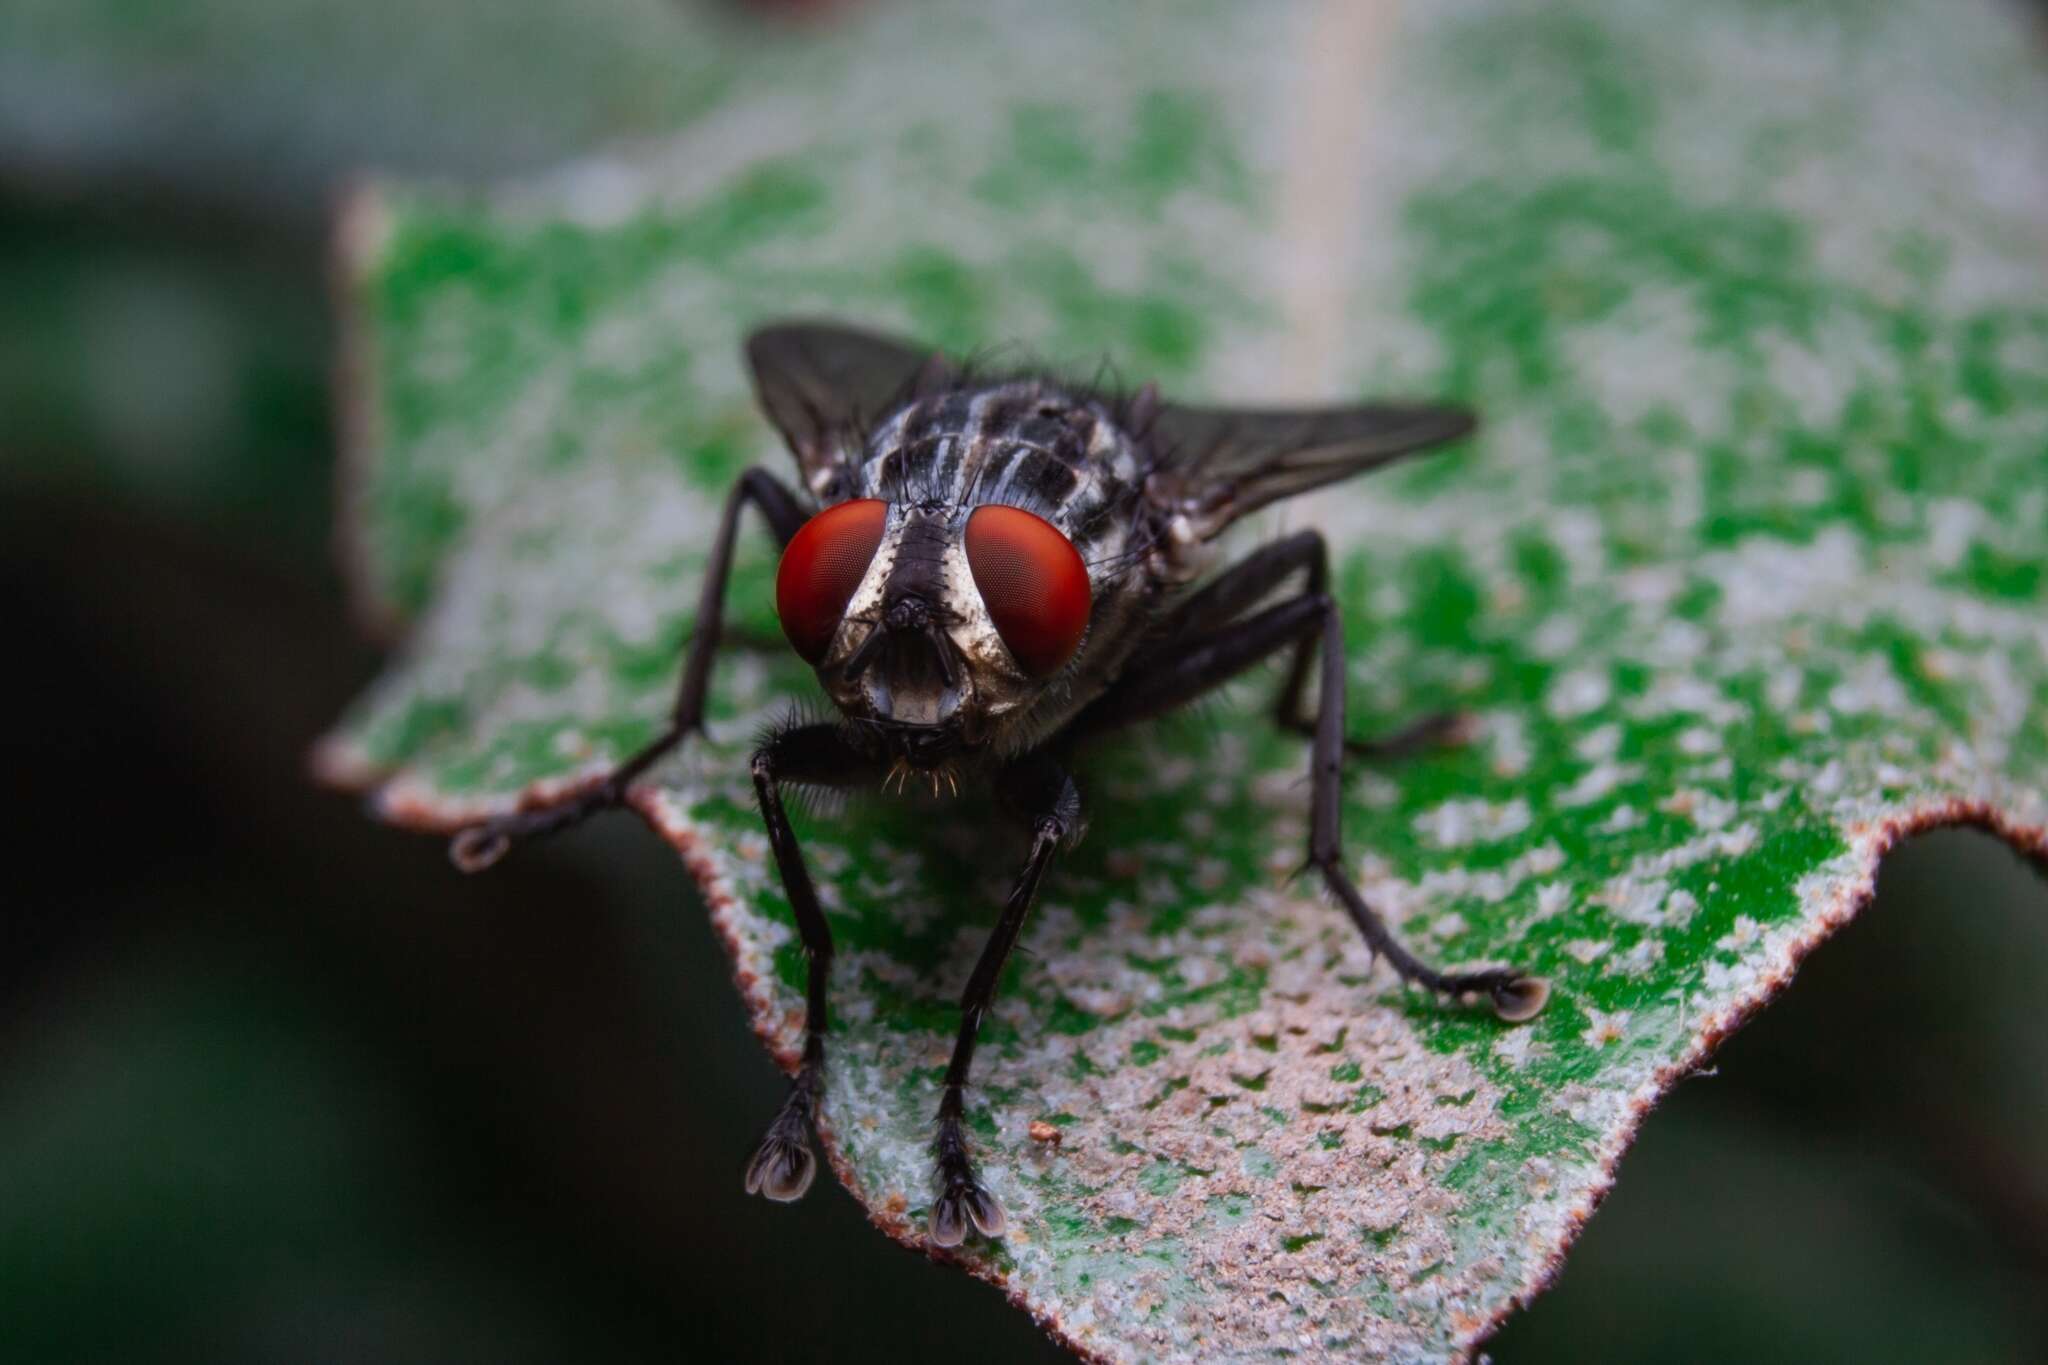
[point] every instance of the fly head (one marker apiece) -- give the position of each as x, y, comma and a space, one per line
932, 626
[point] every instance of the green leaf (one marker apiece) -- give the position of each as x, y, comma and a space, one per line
1743, 580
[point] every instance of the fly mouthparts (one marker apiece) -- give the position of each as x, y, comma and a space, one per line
942, 650
866, 654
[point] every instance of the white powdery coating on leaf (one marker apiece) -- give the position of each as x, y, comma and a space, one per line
1457, 823
1577, 693
1266, 1143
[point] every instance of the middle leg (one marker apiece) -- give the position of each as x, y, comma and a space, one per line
1250, 581
1173, 677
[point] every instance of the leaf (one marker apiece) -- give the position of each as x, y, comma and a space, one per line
1743, 581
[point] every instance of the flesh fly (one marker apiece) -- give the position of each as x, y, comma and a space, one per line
989, 571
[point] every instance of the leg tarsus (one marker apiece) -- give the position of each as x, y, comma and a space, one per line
961, 1201
1515, 997
481, 846
1519, 998
783, 1166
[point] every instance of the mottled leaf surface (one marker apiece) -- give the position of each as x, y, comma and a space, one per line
1747, 574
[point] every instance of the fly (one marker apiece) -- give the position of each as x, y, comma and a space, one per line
987, 573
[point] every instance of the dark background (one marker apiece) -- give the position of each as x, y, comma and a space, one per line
276, 1084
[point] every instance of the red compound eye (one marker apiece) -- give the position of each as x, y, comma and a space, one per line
825, 561
1033, 583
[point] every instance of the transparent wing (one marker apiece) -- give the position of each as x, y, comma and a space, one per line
824, 385
1214, 465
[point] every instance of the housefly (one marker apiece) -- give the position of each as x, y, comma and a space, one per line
988, 571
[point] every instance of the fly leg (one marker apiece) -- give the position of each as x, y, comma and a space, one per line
782, 1166
1177, 675
479, 846
1249, 582
1040, 789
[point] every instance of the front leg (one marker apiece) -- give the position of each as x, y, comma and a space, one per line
821, 755
479, 846
1039, 789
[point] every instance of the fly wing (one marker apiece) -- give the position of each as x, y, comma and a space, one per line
824, 385
1214, 465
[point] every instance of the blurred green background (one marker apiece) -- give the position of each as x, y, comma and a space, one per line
277, 1085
